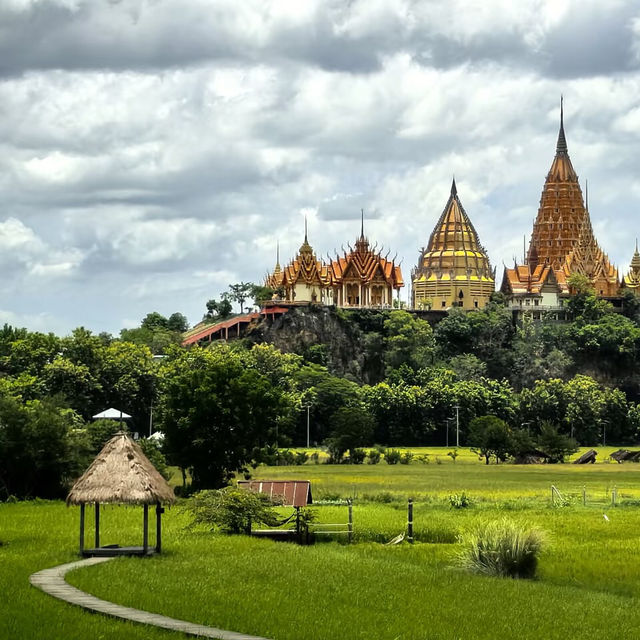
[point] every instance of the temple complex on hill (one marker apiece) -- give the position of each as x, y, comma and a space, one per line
562, 243
454, 269
360, 278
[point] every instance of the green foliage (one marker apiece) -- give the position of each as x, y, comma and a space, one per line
406, 457
218, 310
153, 450
232, 510
101, 431
373, 457
409, 341
392, 456
241, 292
357, 456
556, 445
40, 450
502, 548
490, 436
352, 429
459, 500
216, 408
453, 454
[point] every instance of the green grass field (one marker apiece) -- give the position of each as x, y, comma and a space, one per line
588, 583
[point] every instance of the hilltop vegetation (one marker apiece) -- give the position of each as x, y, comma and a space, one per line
361, 377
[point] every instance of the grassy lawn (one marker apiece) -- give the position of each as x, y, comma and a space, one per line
588, 584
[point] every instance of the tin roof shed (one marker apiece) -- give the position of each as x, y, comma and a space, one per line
293, 493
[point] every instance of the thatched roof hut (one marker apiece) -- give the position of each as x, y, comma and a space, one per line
121, 474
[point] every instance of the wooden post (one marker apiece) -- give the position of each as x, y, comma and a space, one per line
145, 529
81, 528
552, 496
97, 510
350, 523
159, 511
410, 520
584, 496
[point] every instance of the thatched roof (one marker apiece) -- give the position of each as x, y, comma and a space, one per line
121, 474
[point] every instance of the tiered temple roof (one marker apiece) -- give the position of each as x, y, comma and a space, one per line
366, 264
632, 279
562, 239
454, 267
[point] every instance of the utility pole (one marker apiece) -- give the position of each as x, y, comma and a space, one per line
457, 408
448, 420
307, 407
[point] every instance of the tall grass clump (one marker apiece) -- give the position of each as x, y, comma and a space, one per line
502, 548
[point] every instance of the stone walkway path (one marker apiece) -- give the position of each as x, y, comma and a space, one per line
52, 581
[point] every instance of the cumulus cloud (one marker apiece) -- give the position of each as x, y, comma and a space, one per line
153, 152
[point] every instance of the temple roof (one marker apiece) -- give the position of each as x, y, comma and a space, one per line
454, 246
632, 279
366, 264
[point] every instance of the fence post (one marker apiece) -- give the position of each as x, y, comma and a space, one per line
350, 524
614, 496
552, 496
410, 520
584, 496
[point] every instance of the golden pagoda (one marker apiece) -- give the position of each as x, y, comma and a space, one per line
562, 240
454, 269
363, 277
632, 279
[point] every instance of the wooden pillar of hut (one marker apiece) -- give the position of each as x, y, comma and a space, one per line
145, 529
97, 525
81, 528
159, 511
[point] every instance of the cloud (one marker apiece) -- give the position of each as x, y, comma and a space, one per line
153, 152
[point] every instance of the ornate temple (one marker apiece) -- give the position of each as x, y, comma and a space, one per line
632, 279
562, 242
304, 279
361, 277
454, 269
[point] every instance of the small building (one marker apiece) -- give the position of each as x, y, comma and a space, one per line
121, 474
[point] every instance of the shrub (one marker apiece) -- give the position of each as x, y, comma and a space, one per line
231, 509
406, 457
300, 457
423, 457
453, 454
502, 548
315, 457
460, 500
153, 450
357, 456
373, 457
392, 456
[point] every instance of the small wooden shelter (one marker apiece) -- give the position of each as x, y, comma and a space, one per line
121, 474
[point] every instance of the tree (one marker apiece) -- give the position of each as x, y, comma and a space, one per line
38, 457
177, 322
214, 410
218, 310
352, 428
409, 340
490, 436
557, 445
154, 320
241, 292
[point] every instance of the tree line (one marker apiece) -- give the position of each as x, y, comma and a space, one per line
226, 407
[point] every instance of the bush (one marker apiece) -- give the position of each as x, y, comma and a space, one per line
406, 457
315, 457
357, 456
392, 456
460, 500
232, 510
502, 548
423, 457
373, 457
300, 457
153, 450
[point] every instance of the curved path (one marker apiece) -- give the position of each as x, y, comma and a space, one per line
52, 581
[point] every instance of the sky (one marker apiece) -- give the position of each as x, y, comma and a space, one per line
152, 152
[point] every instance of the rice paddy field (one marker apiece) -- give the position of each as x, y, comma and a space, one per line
588, 582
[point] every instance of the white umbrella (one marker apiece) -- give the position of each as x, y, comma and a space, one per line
112, 414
